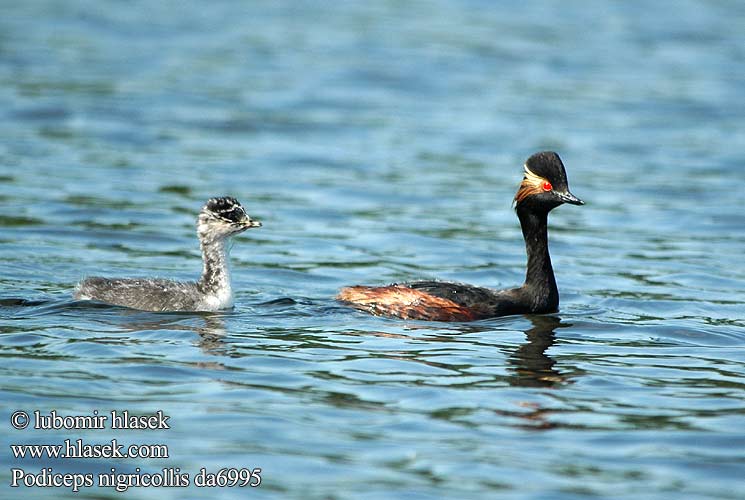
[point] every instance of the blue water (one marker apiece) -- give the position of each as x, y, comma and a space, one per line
380, 142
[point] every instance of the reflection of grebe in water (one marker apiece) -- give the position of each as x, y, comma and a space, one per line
544, 187
218, 221
531, 365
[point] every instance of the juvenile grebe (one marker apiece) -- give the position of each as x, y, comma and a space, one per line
218, 221
544, 187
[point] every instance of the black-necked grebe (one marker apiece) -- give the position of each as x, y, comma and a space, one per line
218, 221
544, 187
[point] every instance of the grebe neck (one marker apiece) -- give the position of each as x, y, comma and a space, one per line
216, 266
539, 276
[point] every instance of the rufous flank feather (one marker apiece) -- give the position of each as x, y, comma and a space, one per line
405, 303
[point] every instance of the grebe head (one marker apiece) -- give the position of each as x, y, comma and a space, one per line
223, 217
544, 184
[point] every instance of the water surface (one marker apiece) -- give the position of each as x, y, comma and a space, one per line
381, 142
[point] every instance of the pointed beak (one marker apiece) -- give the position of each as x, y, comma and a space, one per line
252, 223
570, 198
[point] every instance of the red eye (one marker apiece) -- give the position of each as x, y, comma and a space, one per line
547, 186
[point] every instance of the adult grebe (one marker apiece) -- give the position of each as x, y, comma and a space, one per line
218, 221
544, 187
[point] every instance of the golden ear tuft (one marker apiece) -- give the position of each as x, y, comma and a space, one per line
531, 184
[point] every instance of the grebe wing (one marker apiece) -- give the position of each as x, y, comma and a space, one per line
460, 293
144, 294
483, 302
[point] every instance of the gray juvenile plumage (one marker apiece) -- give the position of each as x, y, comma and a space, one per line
218, 221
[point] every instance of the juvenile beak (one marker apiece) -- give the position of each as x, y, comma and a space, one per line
570, 198
252, 223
